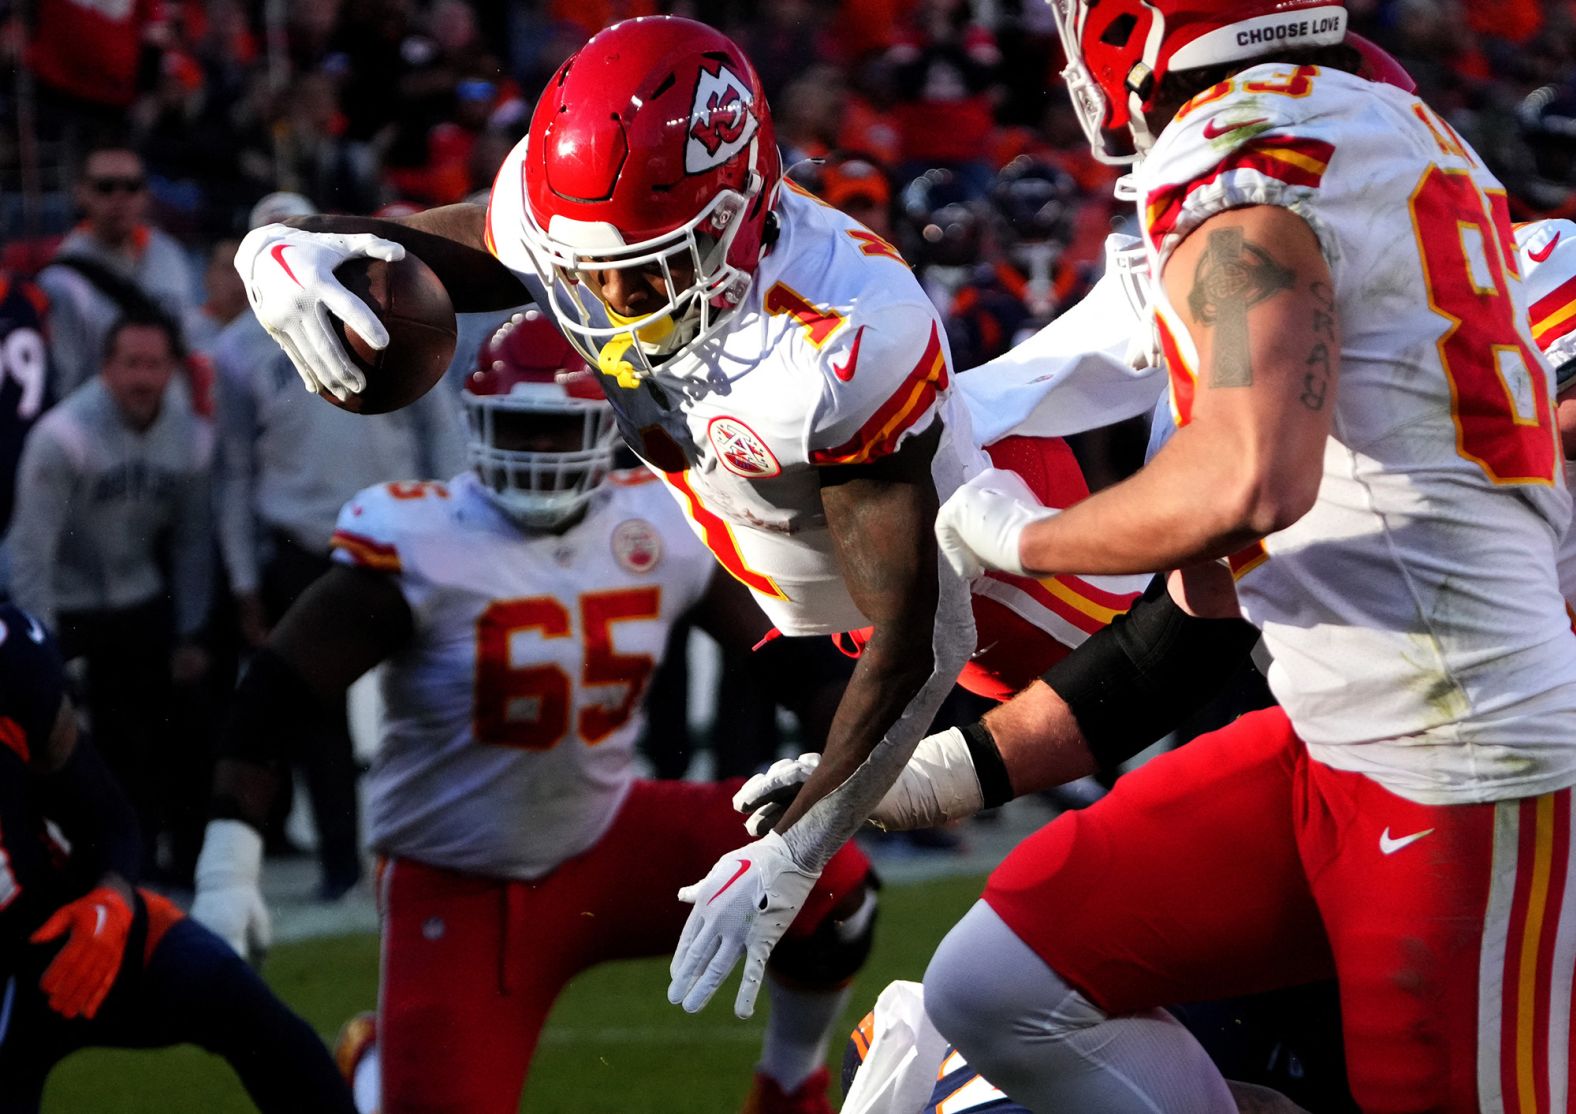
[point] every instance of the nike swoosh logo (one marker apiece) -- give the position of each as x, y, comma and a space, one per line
278, 252
34, 631
1391, 846
1546, 251
1211, 131
846, 372
98, 927
744, 864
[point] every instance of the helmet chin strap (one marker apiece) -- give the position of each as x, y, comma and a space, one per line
1137, 122
659, 338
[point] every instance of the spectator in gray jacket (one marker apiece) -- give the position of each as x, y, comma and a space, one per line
111, 543
113, 240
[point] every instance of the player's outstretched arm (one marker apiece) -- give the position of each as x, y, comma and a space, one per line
1251, 292
348, 621
922, 633
880, 516
80, 795
451, 239
1128, 685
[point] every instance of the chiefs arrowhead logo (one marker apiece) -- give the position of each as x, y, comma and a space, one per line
741, 451
721, 122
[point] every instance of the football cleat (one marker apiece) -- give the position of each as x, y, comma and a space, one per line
766, 1097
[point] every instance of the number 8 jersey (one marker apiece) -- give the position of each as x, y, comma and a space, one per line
511, 715
1414, 616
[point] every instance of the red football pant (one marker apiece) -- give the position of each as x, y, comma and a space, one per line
472, 965
1238, 864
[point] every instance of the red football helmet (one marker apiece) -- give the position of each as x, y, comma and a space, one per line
1379, 64
541, 432
651, 148
1119, 51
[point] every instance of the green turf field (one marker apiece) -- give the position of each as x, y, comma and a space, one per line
613, 1045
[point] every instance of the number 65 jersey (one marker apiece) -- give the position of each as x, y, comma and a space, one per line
1414, 615
511, 715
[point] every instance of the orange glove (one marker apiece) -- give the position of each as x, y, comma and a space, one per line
96, 926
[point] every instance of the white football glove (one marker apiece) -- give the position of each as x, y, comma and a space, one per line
742, 908
937, 786
981, 525
766, 796
229, 900
289, 277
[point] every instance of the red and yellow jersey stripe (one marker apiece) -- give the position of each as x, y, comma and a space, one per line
1184, 377
1554, 314
366, 552
1294, 160
1088, 607
718, 536
1246, 559
880, 436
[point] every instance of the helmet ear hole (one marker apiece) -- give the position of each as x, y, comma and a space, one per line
1119, 30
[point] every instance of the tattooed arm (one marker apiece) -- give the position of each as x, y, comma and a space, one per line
1258, 301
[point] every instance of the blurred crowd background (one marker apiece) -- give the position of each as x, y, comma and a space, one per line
168, 488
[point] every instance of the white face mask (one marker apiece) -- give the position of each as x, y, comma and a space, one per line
629, 349
540, 489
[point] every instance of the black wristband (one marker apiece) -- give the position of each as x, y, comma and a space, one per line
1146, 672
995, 785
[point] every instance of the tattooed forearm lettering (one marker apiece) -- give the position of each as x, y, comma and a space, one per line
1316, 368
1233, 276
1324, 316
1316, 377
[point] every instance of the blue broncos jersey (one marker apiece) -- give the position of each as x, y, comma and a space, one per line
24, 378
959, 1088
35, 872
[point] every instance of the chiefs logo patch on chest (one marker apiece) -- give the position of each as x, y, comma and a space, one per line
721, 122
637, 546
740, 450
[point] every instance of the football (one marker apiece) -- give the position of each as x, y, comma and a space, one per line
410, 300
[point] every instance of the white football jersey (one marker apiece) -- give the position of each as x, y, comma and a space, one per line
1548, 261
511, 716
835, 357
1416, 624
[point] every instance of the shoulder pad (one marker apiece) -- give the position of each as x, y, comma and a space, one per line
372, 526
883, 376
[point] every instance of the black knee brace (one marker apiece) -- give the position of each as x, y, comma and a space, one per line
837, 949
